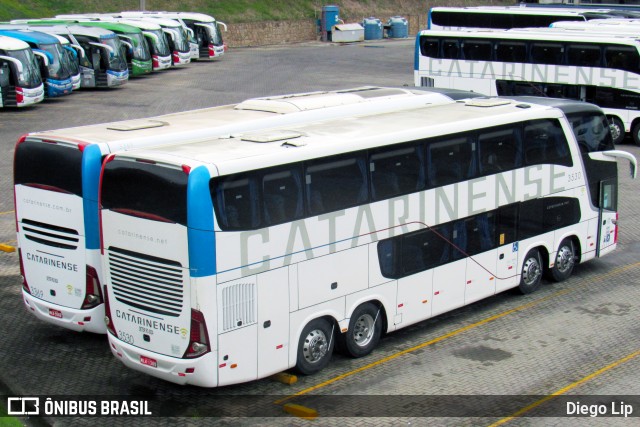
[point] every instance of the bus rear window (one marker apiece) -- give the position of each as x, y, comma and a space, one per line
145, 190
50, 166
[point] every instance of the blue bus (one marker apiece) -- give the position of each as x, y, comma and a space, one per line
54, 65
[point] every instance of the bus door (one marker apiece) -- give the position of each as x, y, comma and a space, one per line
607, 216
5, 81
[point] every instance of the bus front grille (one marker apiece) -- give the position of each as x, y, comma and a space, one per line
50, 235
145, 282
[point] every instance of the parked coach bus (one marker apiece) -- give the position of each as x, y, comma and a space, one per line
204, 27
101, 55
231, 259
56, 176
20, 81
603, 69
55, 68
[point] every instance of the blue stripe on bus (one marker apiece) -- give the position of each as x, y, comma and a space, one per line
416, 53
202, 242
91, 164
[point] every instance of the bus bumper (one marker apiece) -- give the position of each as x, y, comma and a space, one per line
59, 88
117, 78
181, 58
200, 371
91, 320
30, 96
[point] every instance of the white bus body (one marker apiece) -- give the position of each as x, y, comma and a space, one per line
276, 244
20, 81
183, 49
56, 176
600, 68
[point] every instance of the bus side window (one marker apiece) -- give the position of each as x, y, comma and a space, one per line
236, 200
336, 183
477, 50
480, 231
430, 47
560, 212
622, 58
530, 219
282, 195
396, 172
450, 161
547, 53
583, 55
425, 249
450, 49
545, 142
511, 51
506, 224
500, 150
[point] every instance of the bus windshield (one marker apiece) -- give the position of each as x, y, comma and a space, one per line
181, 39
212, 32
140, 50
59, 66
162, 47
116, 60
30, 75
145, 190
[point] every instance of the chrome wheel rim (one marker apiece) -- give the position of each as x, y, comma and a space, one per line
564, 260
363, 330
531, 271
315, 346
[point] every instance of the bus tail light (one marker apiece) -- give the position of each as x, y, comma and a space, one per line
199, 339
156, 63
176, 57
615, 233
25, 285
212, 51
107, 315
93, 295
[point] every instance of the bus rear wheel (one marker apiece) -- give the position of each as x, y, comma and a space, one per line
365, 329
531, 275
635, 133
564, 262
617, 130
315, 347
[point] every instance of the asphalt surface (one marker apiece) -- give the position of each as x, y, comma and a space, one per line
579, 338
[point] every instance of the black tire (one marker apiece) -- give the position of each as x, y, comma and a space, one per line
635, 133
617, 130
365, 329
565, 261
315, 347
531, 274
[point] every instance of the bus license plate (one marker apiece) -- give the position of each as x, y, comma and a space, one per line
55, 313
148, 361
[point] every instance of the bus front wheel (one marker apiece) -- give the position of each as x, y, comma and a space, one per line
365, 329
531, 274
635, 133
315, 347
565, 261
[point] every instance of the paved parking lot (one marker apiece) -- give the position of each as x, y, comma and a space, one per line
577, 338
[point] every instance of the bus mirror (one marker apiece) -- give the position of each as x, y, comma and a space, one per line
170, 33
42, 56
72, 51
128, 45
79, 49
152, 36
15, 62
103, 46
619, 154
223, 24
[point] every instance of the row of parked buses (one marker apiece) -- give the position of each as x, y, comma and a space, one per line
226, 244
589, 55
54, 56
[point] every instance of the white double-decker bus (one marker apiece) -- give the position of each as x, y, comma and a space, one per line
603, 69
232, 259
56, 175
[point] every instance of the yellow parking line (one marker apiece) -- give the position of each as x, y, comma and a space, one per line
452, 333
566, 389
7, 212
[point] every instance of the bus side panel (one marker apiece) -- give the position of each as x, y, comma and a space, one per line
506, 272
237, 356
414, 298
480, 278
448, 287
333, 276
273, 321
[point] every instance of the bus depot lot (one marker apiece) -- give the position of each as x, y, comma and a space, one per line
579, 337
